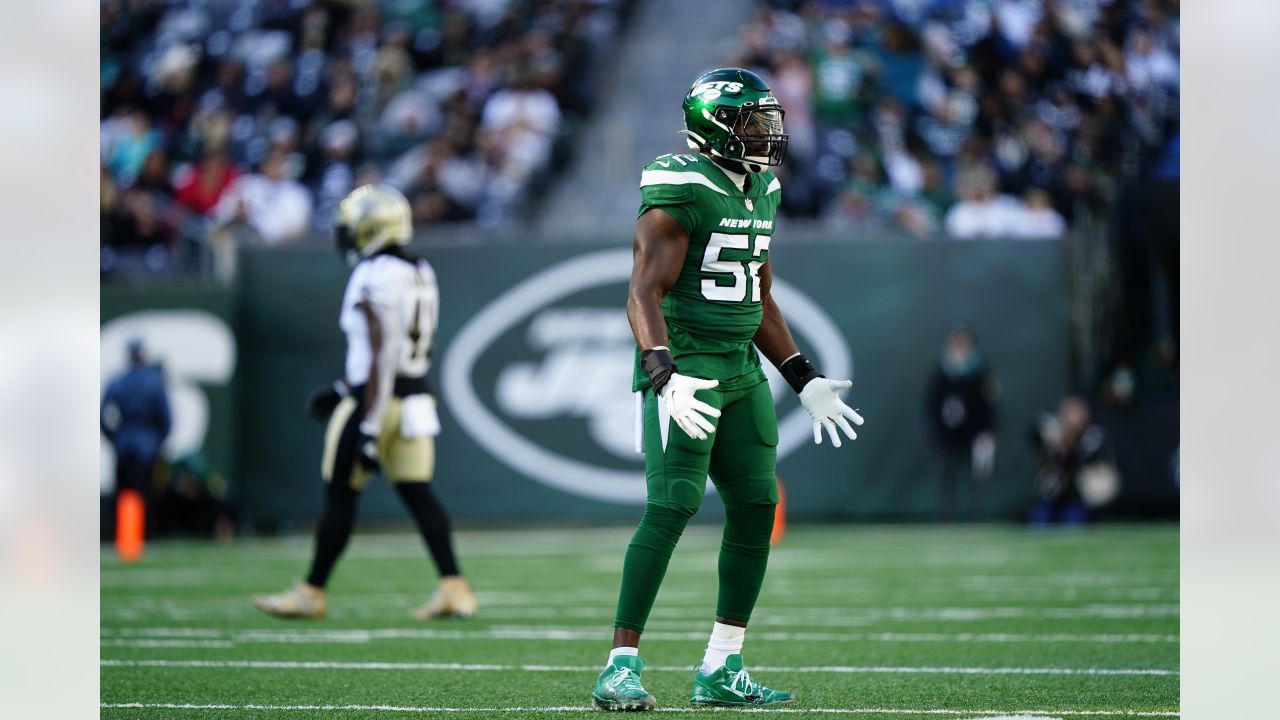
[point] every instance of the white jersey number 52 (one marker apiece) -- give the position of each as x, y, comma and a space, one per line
737, 269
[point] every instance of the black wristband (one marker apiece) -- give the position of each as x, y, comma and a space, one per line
659, 365
798, 371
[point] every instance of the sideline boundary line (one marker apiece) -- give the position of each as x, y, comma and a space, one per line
574, 709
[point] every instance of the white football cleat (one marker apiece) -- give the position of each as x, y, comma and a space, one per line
453, 598
300, 601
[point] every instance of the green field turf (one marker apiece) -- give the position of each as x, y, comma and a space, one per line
874, 623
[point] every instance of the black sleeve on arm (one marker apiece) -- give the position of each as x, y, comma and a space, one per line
659, 365
798, 371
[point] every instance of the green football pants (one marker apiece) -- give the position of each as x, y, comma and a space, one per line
741, 457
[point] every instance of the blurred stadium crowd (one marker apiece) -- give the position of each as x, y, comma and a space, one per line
992, 118
260, 115
969, 118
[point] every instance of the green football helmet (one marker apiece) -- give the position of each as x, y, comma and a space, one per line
731, 113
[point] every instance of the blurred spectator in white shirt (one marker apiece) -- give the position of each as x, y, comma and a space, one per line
523, 119
1038, 220
274, 206
981, 213
517, 128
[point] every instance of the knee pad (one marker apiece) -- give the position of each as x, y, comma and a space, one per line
751, 490
661, 527
685, 496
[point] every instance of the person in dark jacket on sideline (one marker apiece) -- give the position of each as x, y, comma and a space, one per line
135, 417
962, 417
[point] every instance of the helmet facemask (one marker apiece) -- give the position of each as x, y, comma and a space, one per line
733, 116
345, 237
756, 137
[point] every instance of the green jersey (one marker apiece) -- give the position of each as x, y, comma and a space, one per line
714, 308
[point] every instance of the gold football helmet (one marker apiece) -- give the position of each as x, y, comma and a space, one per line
370, 219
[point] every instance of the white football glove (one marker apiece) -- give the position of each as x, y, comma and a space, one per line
820, 398
687, 410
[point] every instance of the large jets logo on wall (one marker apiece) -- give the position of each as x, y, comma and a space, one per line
581, 367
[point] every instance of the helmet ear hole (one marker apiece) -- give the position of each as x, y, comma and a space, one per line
733, 148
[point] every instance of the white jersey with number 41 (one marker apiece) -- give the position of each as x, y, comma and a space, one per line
404, 295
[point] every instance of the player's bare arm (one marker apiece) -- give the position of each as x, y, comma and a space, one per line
657, 249
372, 387
819, 395
774, 336
659, 246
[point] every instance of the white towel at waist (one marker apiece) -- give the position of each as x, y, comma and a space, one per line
418, 417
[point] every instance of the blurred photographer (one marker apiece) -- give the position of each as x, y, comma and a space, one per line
1076, 472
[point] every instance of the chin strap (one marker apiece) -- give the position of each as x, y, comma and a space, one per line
697, 143
735, 166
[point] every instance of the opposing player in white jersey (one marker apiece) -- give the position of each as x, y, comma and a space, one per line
382, 414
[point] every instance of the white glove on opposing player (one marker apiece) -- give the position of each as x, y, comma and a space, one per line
687, 410
820, 398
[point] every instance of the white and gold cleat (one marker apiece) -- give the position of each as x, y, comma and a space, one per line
300, 601
453, 598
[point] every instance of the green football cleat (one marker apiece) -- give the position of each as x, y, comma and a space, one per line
619, 688
731, 685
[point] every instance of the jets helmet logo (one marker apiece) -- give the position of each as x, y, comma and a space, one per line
713, 90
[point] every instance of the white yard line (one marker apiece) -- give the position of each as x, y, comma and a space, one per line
477, 667
601, 615
149, 643
576, 709
781, 597
155, 636
229, 608
128, 577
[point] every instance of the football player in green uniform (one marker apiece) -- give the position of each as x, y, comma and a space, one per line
700, 308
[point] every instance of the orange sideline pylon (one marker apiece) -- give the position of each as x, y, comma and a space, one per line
131, 520
779, 515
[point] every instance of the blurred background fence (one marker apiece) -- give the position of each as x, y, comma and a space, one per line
534, 362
